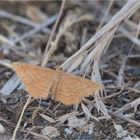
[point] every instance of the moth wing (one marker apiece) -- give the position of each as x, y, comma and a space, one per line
37, 80
73, 88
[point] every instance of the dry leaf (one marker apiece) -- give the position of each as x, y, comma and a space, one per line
47, 118
63, 118
66, 88
50, 131
74, 122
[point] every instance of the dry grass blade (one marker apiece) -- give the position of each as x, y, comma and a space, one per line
106, 14
20, 118
125, 58
88, 113
19, 19
132, 38
36, 29
123, 29
121, 72
75, 64
44, 59
10, 45
134, 104
136, 123
117, 19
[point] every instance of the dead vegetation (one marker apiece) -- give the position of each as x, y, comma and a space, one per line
95, 39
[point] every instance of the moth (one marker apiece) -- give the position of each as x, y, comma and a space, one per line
61, 86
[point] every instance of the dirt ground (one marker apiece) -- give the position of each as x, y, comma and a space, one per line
25, 29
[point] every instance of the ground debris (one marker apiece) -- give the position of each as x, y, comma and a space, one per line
50, 131
74, 122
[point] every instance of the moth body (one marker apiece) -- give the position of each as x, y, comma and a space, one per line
56, 82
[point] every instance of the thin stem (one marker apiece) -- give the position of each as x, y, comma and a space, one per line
20, 118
